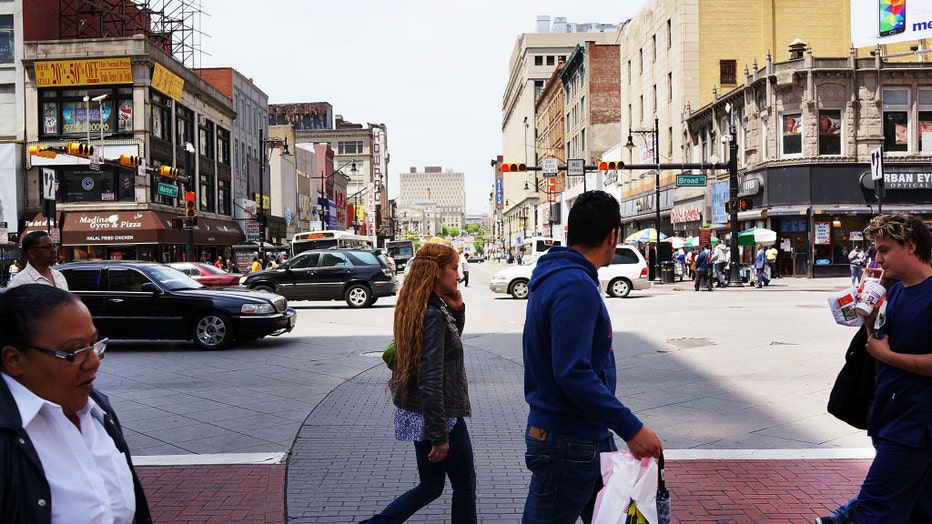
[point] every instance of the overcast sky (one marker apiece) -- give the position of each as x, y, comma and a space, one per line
432, 72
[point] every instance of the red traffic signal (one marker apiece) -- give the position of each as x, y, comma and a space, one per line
611, 166
79, 149
177, 222
514, 167
190, 206
745, 204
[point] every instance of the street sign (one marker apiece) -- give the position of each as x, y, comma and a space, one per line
690, 180
549, 167
48, 183
168, 190
575, 167
877, 163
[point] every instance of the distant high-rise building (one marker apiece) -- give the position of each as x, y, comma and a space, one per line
441, 192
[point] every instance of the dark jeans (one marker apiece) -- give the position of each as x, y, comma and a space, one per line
566, 476
465, 279
458, 465
703, 278
898, 486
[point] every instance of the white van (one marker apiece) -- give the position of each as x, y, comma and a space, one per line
537, 246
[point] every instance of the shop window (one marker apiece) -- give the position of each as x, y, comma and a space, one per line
895, 120
64, 112
105, 185
830, 132
792, 134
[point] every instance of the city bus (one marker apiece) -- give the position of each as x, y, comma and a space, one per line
324, 239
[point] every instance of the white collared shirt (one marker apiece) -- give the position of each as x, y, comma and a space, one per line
29, 275
88, 476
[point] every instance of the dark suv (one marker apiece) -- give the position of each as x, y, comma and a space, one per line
360, 277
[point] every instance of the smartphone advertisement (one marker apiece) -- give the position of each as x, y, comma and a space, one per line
886, 21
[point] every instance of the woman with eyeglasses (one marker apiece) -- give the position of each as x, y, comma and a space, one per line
62, 450
41, 253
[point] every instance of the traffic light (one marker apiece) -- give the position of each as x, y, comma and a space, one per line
168, 171
177, 222
79, 149
130, 160
190, 206
514, 168
611, 166
745, 204
43, 151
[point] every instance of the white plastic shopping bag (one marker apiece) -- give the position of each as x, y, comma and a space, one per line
626, 478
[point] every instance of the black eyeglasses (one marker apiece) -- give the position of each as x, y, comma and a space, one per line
49, 247
76, 357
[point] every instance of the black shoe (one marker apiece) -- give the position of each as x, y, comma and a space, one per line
831, 519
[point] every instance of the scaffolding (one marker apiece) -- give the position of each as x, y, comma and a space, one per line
174, 25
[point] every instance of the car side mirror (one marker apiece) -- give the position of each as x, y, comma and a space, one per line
149, 287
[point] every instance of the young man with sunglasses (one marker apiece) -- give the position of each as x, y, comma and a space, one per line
40, 254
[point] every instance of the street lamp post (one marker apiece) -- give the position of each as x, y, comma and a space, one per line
734, 278
260, 205
655, 134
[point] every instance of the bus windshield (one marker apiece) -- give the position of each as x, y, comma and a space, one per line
323, 239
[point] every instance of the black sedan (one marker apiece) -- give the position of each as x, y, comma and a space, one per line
146, 300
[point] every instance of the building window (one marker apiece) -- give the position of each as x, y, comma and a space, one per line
653, 48
763, 139
109, 184
539, 60
352, 147
895, 120
582, 140
792, 134
670, 87
538, 88
669, 33
223, 146
184, 120
205, 136
582, 106
925, 121
830, 132
64, 112
6, 39
727, 72
224, 196
550, 60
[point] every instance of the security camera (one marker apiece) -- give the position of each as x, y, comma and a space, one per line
914, 47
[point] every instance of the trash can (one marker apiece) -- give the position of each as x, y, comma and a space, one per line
666, 272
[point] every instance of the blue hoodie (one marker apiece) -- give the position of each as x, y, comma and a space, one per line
569, 364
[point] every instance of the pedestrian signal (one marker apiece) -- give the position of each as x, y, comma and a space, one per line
130, 160
190, 206
514, 168
79, 149
745, 204
611, 166
177, 222
43, 151
168, 171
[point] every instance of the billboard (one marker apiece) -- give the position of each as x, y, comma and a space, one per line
887, 21
304, 116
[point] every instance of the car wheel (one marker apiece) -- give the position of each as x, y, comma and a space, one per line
519, 289
357, 296
212, 330
620, 287
264, 287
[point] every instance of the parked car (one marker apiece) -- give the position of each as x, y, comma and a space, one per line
513, 280
475, 259
207, 274
627, 271
357, 276
146, 300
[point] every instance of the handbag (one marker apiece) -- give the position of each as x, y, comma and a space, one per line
389, 355
853, 393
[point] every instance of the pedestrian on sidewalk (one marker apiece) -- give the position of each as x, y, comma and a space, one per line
704, 268
898, 486
857, 260
570, 373
63, 452
429, 387
760, 265
464, 267
771, 255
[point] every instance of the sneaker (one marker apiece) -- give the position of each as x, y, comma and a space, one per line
831, 519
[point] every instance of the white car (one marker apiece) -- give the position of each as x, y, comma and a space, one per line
627, 271
513, 280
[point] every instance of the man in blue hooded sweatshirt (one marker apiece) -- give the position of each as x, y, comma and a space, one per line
569, 371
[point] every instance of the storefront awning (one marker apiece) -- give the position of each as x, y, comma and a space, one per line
38, 221
142, 227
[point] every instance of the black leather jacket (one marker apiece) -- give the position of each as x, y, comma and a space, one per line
25, 496
442, 391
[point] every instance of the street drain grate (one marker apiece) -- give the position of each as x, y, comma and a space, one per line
689, 342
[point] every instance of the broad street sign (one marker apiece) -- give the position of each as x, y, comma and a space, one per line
549, 167
690, 180
168, 190
575, 167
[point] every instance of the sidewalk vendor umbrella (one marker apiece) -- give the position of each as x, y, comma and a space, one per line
694, 241
644, 235
676, 242
757, 235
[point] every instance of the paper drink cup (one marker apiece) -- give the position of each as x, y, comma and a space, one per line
869, 297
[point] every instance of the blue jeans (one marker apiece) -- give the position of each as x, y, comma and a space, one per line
898, 486
566, 475
856, 271
458, 465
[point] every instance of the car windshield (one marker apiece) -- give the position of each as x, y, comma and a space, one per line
171, 278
